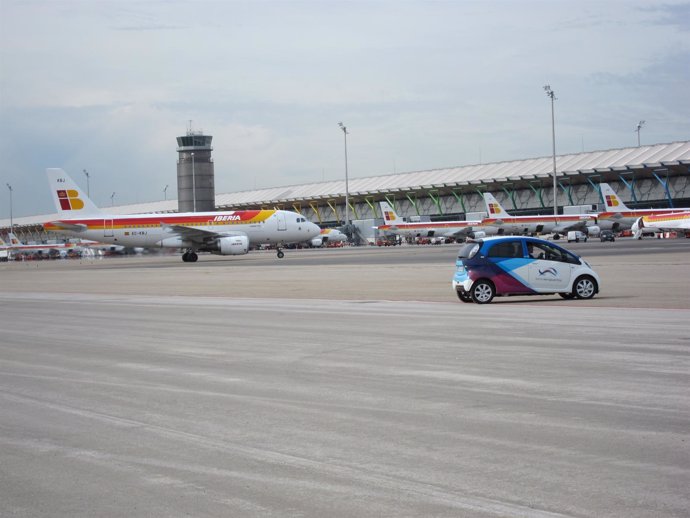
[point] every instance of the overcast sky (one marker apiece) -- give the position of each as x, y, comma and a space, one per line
108, 85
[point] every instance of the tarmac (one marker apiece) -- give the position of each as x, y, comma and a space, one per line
342, 383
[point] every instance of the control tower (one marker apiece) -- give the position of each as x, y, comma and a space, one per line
195, 176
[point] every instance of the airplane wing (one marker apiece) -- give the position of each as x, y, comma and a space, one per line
571, 225
565, 227
197, 235
73, 227
459, 232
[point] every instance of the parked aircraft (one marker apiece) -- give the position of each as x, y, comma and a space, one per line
662, 223
504, 223
46, 249
619, 217
449, 229
224, 233
328, 235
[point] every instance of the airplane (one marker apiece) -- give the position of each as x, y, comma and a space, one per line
504, 223
16, 246
449, 229
662, 223
618, 216
223, 233
328, 235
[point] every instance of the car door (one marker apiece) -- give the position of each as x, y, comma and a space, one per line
550, 269
508, 267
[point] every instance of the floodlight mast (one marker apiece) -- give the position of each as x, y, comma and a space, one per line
347, 189
11, 218
88, 189
639, 127
552, 95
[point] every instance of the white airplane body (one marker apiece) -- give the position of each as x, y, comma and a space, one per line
499, 219
619, 217
449, 229
223, 233
16, 246
663, 222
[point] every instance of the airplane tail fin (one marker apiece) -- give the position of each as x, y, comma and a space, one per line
70, 200
390, 217
14, 240
611, 199
493, 208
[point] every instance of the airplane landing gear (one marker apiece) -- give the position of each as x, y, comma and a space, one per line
189, 256
280, 253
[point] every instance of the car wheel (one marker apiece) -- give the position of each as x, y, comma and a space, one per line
464, 296
585, 287
483, 292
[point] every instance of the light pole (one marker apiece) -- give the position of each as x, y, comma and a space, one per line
11, 220
639, 127
552, 95
193, 186
88, 191
165, 192
112, 199
347, 188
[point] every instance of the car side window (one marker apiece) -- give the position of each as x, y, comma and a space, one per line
509, 249
549, 252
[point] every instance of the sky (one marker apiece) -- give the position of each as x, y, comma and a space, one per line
106, 86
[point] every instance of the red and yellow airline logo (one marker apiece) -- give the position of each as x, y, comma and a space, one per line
612, 200
69, 199
493, 208
387, 215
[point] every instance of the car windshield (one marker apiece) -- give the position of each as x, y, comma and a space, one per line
468, 250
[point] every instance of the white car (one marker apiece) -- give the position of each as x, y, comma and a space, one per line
577, 236
517, 265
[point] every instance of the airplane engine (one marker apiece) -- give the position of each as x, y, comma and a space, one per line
593, 231
477, 235
316, 242
233, 245
638, 225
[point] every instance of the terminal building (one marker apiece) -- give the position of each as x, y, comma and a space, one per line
651, 176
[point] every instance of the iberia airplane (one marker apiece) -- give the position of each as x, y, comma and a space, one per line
507, 224
663, 222
15, 245
224, 233
455, 229
619, 217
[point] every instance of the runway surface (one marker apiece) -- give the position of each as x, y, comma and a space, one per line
326, 386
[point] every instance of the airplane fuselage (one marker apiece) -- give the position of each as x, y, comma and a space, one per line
538, 224
436, 229
153, 230
624, 220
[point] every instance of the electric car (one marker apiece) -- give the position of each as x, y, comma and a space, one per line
519, 265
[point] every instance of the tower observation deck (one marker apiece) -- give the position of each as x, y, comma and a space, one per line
195, 174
